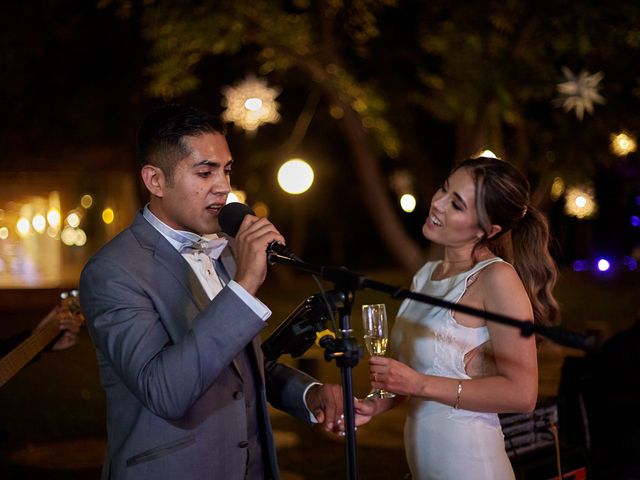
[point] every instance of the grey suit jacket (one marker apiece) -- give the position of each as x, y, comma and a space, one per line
166, 358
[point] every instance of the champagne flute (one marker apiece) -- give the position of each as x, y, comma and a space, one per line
376, 336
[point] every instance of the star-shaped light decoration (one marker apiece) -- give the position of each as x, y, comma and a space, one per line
250, 103
580, 202
623, 144
579, 92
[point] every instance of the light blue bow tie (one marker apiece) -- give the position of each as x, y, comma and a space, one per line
212, 247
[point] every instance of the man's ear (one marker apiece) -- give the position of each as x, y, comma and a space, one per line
154, 179
495, 229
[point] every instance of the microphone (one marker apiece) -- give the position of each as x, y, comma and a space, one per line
230, 218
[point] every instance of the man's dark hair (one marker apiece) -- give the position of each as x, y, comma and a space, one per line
161, 136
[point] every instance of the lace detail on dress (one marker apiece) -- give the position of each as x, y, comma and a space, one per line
447, 351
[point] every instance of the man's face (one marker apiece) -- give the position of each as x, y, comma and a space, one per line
199, 186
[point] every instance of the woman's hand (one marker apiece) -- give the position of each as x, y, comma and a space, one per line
394, 376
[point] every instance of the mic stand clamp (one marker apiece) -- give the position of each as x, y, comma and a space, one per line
345, 351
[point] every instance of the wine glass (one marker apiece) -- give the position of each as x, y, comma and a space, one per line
376, 336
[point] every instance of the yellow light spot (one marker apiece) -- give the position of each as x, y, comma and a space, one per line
108, 215
336, 112
261, 209
4, 233
557, 188
86, 201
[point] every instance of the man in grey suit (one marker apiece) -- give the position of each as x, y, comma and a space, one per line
172, 311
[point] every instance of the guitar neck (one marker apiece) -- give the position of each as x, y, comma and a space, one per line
11, 363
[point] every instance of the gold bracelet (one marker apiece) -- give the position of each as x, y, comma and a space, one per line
458, 393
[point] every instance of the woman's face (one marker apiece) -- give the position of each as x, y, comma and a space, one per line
453, 220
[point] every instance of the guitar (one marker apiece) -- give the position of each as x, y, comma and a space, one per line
43, 335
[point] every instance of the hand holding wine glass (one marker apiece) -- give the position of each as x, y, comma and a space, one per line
376, 336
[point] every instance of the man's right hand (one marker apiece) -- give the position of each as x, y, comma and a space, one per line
253, 237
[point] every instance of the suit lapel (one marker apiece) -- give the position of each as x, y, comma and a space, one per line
166, 255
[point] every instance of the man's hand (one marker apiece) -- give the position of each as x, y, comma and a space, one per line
326, 403
253, 238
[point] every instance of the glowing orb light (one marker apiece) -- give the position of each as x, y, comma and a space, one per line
603, 264
295, 176
408, 202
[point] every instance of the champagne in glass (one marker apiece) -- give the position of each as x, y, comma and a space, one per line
376, 336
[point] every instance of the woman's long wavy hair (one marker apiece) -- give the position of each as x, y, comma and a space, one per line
502, 198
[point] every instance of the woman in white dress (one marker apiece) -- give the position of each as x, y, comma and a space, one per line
459, 371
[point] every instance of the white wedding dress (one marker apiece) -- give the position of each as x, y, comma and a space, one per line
442, 442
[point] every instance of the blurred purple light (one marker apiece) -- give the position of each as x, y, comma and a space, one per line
638, 200
631, 263
603, 264
635, 221
580, 265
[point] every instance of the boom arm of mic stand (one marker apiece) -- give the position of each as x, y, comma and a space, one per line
355, 281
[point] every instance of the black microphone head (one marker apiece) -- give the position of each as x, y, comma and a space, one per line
231, 216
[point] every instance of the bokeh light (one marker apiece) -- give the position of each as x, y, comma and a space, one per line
108, 215
86, 201
557, 188
580, 265
23, 226
622, 144
73, 219
237, 196
603, 264
580, 203
53, 217
487, 153
295, 176
408, 202
39, 223
261, 209
250, 103
630, 262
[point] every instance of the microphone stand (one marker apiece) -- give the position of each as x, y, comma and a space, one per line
346, 352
